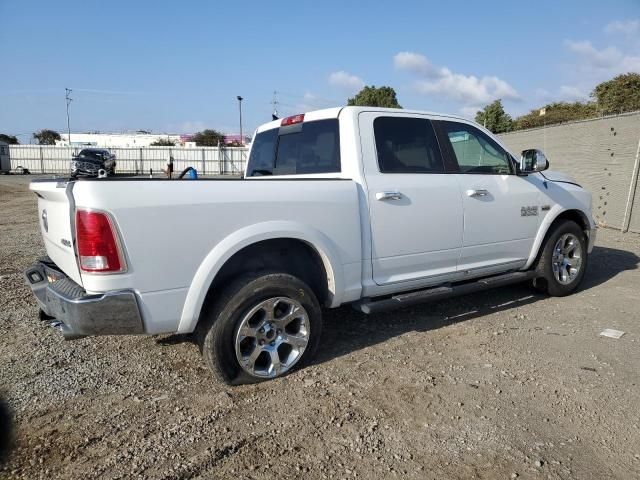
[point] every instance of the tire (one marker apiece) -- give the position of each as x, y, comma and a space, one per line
269, 349
563, 260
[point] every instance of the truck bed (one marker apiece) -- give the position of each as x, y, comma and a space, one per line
174, 231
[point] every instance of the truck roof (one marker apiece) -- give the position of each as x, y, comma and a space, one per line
334, 112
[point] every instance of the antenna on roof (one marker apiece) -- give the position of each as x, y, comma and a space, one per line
274, 102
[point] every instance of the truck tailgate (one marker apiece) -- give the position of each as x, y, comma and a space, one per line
55, 214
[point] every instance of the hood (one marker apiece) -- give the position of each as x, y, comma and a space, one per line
555, 176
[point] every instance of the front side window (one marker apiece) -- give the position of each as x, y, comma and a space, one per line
406, 145
474, 151
313, 147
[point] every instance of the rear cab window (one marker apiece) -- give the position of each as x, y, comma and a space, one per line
304, 148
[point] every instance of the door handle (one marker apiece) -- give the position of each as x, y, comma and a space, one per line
477, 193
388, 195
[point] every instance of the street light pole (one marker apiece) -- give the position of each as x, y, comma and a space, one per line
240, 107
69, 100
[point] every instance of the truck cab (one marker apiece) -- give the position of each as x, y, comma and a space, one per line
442, 199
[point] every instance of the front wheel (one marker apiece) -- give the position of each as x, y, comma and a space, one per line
262, 326
563, 261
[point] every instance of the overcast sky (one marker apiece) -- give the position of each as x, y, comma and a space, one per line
178, 66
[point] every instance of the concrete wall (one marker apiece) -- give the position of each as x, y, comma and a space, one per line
600, 154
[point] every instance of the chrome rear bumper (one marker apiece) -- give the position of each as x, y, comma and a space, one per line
78, 314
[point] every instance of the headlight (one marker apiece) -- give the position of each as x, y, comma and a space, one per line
74, 166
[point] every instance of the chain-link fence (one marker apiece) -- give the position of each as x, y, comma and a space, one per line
207, 160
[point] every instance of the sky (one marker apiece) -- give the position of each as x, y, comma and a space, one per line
177, 67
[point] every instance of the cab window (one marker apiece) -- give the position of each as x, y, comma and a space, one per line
406, 145
475, 151
308, 148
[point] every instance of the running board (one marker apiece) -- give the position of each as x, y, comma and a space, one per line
371, 305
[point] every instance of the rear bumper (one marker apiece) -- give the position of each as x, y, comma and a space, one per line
78, 314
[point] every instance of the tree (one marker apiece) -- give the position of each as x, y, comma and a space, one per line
46, 137
10, 139
558, 112
163, 142
375, 97
618, 95
208, 138
495, 118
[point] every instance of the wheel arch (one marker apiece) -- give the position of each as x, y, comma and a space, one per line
249, 246
551, 219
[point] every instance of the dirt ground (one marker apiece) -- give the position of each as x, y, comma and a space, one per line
501, 384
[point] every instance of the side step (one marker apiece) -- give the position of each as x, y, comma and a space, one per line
372, 305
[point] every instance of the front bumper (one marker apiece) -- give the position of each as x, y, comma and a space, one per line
78, 314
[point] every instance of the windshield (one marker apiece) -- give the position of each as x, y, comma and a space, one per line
94, 154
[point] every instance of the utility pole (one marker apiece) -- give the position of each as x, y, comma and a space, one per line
69, 100
274, 102
240, 106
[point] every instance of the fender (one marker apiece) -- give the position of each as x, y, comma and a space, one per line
249, 235
549, 218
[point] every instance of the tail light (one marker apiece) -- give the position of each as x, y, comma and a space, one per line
98, 246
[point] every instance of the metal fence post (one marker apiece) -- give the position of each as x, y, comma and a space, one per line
632, 191
220, 160
41, 160
203, 164
141, 162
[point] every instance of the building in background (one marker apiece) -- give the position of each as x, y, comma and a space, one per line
126, 139
136, 139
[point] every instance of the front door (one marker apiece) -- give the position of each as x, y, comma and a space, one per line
501, 209
415, 207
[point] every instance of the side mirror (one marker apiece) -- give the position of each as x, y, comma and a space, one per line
532, 161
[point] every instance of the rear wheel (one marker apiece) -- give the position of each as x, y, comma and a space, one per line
262, 326
563, 261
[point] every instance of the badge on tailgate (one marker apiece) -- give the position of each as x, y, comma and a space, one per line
45, 221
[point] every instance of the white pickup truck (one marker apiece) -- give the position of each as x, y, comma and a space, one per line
378, 208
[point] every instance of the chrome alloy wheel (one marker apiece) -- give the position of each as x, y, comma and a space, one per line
272, 337
567, 258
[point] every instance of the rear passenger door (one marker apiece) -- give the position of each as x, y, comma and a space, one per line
415, 206
501, 209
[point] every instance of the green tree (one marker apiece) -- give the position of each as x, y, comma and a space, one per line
618, 95
375, 97
10, 139
208, 138
558, 112
163, 142
46, 137
495, 118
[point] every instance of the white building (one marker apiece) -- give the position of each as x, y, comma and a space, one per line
132, 139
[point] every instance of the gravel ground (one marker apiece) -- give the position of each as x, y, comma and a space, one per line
501, 384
